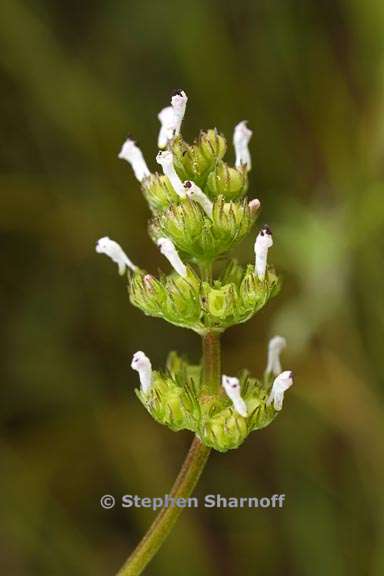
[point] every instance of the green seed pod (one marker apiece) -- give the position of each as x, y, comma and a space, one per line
158, 191
183, 299
194, 162
170, 404
225, 431
188, 228
232, 183
223, 428
232, 221
254, 293
147, 293
213, 145
182, 223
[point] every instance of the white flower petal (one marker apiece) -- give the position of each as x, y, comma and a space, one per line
112, 249
275, 346
232, 389
241, 137
195, 193
165, 159
132, 154
280, 385
168, 249
171, 118
179, 102
168, 126
262, 244
142, 364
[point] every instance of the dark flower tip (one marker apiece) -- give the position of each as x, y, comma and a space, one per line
266, 230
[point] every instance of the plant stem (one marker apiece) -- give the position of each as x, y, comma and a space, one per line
211, 362
187, 478
162, 525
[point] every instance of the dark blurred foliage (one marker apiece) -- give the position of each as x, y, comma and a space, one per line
77, 77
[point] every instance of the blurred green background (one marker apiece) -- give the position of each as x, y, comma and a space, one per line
77, 77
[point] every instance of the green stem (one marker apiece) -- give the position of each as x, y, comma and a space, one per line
187, 478
211, 362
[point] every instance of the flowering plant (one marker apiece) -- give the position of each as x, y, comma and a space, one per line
199, 213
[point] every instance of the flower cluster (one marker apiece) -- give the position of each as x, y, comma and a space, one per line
184, 299
199, 213
222, 421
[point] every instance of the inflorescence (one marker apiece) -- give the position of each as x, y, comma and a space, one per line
199, 213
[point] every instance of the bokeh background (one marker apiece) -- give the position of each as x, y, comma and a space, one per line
77, 77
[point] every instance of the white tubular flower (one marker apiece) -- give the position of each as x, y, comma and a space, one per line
197, 195
167, 248
165, 159
167, 130
231, 386
241, 137
132, 154
262, 244
115, 252
179, 102
171, 118
281, 383
275, 346
142, 364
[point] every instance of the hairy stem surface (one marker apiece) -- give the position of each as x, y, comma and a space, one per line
187, 478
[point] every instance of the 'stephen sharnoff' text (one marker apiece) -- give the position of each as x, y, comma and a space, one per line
209, 501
